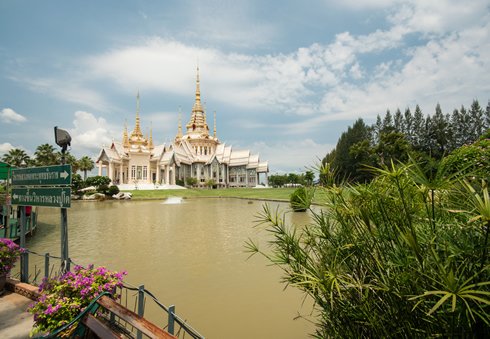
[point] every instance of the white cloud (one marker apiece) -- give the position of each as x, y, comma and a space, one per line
90, 133
67, 90
6, 147
8, 115
305, 153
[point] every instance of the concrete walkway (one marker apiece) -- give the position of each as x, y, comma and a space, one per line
15, 321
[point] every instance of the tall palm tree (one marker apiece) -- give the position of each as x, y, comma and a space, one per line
45, 155
16, 157
70, 160
85, 164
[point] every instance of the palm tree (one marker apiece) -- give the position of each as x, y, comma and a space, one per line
85, 164
16, 157
70, 160
45, 155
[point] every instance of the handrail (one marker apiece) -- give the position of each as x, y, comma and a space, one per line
172, 316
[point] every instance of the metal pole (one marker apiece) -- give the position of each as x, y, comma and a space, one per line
65, 260
141, 306
46, 265
24, 259
171, 319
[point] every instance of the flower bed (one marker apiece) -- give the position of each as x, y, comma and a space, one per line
63, 298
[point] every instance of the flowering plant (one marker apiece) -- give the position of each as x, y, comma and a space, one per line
63, 298
9, 252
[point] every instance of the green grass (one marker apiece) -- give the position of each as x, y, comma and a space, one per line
244, 193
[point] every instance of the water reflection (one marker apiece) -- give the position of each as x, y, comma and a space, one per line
191, 255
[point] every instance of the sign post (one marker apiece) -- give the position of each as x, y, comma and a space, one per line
47, 186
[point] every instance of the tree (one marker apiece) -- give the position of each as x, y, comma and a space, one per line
398, 121
69, 160
16, 157
85, 164
97, 181
45, 155
476, 115
418, 129
190, 181
309, 177
345, 164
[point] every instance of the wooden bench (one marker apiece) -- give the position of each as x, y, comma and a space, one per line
102, 330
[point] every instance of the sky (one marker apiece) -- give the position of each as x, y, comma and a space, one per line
285, 78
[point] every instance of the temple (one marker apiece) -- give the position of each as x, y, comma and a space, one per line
136, 161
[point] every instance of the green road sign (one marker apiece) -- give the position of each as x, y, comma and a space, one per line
42, 176
48, 196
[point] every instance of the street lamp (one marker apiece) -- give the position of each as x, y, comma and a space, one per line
63, 139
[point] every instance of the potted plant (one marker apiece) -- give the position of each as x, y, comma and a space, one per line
9, 252
61, 299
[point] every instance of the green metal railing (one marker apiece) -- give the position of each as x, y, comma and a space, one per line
175, 325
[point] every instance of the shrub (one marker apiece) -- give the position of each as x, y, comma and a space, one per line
9, 253
301, 198
63, 298
103, 189
113, 190
399, 257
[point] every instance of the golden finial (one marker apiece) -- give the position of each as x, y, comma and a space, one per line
137, 129
214, 134
179, 132
125, 134
150, 142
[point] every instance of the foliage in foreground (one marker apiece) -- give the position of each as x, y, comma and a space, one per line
63, 298
402, 256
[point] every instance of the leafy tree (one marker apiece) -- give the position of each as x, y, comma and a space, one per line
345, 164
476, 120
85, 164
16, 157
293, 178
309, 177
408, 126
418, 129
398, 122
76, 182
69, 160
473, 159
98, 180
392, 147
45, 155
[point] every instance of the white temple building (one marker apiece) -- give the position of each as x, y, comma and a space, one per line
136, 161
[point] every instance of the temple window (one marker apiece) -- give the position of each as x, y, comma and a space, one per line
145, 172
133, 172
139, 172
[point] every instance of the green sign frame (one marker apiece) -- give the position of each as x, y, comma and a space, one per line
59, 175
42, 196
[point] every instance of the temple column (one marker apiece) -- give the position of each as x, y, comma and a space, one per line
266, 179
246, 177
173, 174
109, 172
167, 176
100, 168
158, 173
121, 173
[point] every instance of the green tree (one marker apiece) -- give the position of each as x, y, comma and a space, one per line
190, 181
69, 160
477, 120
85, 164
309, 177
16, 157
45, 155
98, 180
418, 128
345, 164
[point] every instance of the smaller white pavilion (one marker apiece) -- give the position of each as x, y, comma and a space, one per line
195, 154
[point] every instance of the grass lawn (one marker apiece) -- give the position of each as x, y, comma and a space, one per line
246, 193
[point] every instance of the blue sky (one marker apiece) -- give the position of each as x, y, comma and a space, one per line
285, 78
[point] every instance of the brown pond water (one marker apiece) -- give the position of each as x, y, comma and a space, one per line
191, 255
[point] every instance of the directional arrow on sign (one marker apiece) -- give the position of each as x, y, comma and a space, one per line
59, 175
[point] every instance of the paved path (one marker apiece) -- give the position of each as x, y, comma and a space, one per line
15, 322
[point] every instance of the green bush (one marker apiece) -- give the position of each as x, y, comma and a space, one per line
400, 257
113, 190
301, 198
180, 182
103, 189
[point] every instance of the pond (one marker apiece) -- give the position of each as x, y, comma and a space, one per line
190, 254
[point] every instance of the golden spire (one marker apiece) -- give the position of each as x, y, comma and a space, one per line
197, 105
125, 134
179, 132
137, 129
150, 142
214, 132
